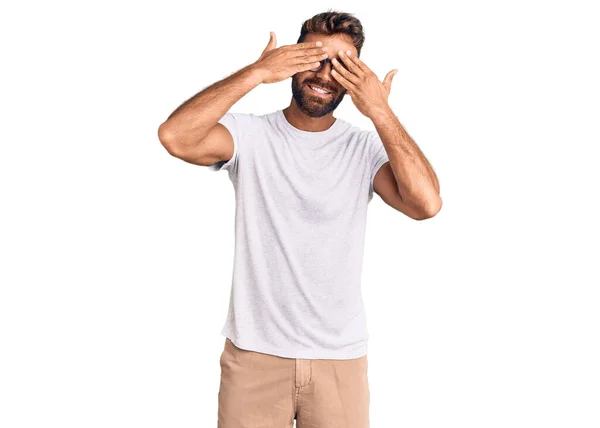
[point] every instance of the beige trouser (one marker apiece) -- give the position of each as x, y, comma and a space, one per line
267, 391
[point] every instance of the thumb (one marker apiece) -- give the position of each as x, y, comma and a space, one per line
388, 79
272, 42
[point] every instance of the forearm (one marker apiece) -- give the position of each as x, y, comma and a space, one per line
190, 123
416, 180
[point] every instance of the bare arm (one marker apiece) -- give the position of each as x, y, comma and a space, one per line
417, 190
193, 132
407, 181
191, 122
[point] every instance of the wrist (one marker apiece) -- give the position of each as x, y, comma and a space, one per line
254, 75
380, 112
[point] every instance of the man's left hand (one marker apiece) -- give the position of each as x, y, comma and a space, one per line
368, 93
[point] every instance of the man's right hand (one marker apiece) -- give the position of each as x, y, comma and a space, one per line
277, 64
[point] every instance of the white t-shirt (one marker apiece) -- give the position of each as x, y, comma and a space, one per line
300, 218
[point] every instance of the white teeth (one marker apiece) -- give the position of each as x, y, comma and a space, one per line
318, 90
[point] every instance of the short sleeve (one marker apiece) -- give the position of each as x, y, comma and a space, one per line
377, 157
238, 125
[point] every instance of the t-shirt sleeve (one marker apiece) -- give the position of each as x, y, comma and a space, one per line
238, 125
377, 157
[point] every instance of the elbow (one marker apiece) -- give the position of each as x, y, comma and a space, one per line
167, 139
432, 209
164, 134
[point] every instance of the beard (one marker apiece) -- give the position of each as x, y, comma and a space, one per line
313, 105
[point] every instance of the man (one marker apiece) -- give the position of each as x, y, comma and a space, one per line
296, 337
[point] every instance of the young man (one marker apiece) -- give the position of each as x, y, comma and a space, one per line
296, 337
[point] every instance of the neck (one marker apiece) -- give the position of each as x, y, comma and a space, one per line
300, 120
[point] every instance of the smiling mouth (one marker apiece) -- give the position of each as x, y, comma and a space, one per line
316, 92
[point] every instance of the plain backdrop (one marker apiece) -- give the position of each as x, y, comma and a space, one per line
116, 258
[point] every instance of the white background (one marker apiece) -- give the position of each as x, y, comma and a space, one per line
116, 258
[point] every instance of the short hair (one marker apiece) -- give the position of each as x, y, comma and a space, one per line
335, 22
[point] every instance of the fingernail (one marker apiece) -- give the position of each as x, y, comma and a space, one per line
319, 44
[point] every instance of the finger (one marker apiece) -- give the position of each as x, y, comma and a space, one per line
305, 66
344, 72
349, 86
315, 58
359, 63
349, 64
388, 79
307, 45
271, 45
312, 51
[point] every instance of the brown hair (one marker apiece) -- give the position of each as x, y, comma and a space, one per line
334, 22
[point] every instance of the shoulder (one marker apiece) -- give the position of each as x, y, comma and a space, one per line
368, 139
239, 118
240, 124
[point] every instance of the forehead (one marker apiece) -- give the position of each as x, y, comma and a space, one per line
334, 42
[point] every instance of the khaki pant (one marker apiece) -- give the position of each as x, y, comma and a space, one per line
267, 391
